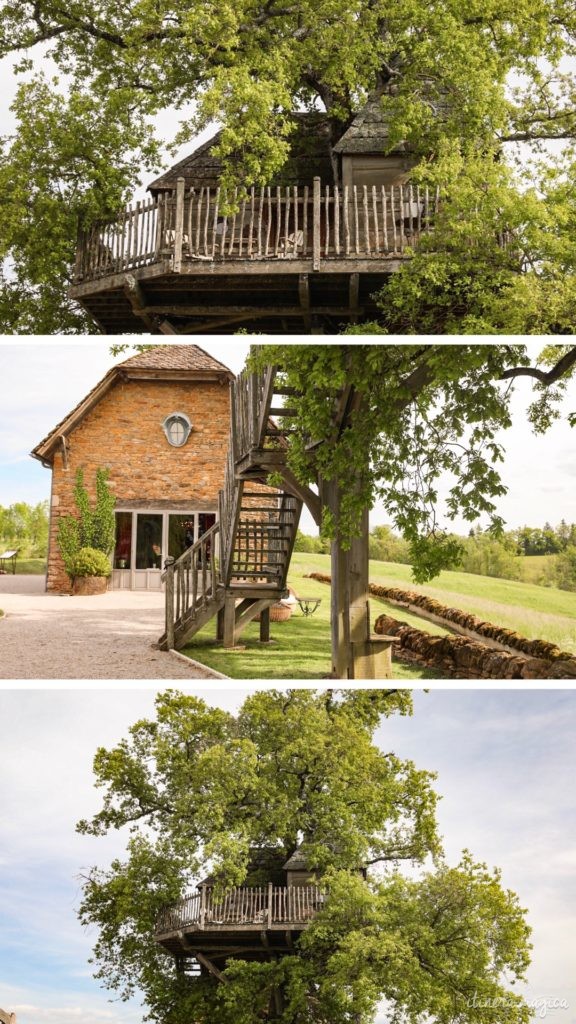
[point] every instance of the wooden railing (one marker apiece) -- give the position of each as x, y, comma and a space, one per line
264, 906
312, 223
192, 581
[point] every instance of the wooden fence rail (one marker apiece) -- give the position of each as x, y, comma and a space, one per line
264, 905
206, 224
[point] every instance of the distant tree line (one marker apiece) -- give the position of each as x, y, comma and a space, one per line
25, 527
483, 552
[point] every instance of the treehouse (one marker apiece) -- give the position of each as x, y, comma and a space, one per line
250, 922
305, 254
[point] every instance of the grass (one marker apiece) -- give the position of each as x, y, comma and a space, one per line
534, 567
28, 566
301, 648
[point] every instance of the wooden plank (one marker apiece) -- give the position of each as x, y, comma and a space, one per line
179, 224
316, 226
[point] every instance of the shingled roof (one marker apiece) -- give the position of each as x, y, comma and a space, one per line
368, 133
160, 362
309, 157
175, 357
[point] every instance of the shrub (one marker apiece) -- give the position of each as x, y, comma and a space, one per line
564, 569
90, 562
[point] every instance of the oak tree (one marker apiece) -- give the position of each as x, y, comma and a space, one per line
461, 85
196, 788
417, 413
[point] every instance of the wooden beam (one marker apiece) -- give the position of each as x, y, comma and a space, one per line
241, 269
304, 294
205, 962
133, 292
165, 327
306, 494
354, 291
248, 312
179, 224
316, 226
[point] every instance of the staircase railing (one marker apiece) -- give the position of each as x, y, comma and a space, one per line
192, 580
243, 544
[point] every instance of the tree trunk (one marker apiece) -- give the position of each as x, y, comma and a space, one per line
350, 610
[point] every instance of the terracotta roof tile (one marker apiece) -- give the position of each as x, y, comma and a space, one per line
174, 357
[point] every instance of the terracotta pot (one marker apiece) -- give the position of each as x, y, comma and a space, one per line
87, 585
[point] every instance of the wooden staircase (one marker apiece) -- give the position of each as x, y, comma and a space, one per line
239, 567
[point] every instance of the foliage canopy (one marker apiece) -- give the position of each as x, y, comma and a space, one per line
426, 411
460, 84
199, 789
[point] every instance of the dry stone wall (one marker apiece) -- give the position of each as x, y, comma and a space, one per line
466, 657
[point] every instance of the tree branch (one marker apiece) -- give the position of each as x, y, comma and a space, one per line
563, 366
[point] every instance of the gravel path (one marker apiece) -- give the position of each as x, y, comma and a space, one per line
109, 636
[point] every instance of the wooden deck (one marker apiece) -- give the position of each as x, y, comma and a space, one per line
198, 260
237, 920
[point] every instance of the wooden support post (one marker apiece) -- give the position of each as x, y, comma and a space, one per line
265, 626
316, 225
270, 894
169, 566
372, 658
133, 291
220, 625
202, 917
229, 621
179, 225
304, 295
202, 959
354, 290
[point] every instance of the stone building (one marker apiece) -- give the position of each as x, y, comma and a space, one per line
159, 422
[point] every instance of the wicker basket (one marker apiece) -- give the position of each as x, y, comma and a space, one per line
280, 612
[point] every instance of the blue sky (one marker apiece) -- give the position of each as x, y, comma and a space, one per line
505, 763
41, 383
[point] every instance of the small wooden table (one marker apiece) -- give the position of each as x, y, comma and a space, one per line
308, 605
8, 556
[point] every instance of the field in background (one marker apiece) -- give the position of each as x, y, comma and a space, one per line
537, 612
536, 567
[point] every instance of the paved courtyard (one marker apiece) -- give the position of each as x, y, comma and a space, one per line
109, 636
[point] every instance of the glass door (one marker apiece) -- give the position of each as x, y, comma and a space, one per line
148, 561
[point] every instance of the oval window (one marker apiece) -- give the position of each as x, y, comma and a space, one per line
177, 428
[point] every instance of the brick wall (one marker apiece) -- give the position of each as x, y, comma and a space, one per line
124, 434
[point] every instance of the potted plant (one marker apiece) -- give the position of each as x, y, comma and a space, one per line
90, 570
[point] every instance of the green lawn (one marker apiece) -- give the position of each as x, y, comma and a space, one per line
301, 648
29, 566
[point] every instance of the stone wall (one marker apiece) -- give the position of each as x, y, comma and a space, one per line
123, 433
495, 653
457, 657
